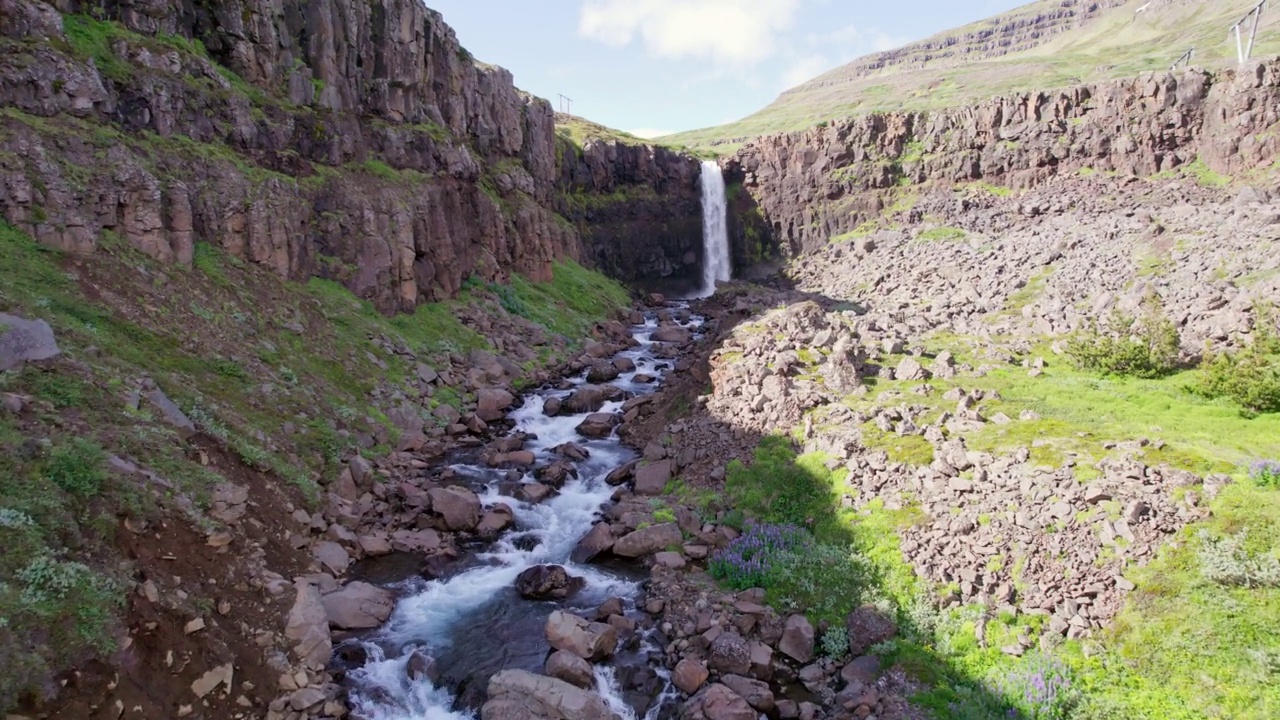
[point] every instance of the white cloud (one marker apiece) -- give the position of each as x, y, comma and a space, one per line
648, 133
805, 68
730, 32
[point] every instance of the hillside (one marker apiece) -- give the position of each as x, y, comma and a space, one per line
1040, 46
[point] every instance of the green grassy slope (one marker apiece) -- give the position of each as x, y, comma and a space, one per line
1116, 43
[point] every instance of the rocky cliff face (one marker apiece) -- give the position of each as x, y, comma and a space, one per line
638, 207
814, 185
351, 140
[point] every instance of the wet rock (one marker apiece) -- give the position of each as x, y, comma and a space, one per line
571, 669
458, 506
672, 334
590, 398
547, 582
492, 403
602, 372
597, 540
358, 606
573, 634
332, 556
495, 521
521, 695
598, 425
647, 541
422, 667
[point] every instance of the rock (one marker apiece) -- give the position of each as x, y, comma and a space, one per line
458, 506
671, 334
729, 654
652, 479
571, 669
718, 702
910, 369
648, 540
547, 582
493, 522
597, 540
361, 472
797, 639
689, 675
669, 559
602, 371
332, 556
867, 626
864, 670
422, 667
358, 606
756, 693
521, 695
590, 398
23, 341
306, 698
492, 403
598, 425
308, 627
573, 634
171, 413
208, 682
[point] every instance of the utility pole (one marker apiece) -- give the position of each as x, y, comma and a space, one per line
566, 104
1242, 51
1186, 58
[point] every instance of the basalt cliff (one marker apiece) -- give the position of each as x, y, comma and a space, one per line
355, 141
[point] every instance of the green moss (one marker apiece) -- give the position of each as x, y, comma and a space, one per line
572, 302
909, 449
942, 234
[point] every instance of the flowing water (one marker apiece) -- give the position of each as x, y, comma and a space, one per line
475, 623
716, 266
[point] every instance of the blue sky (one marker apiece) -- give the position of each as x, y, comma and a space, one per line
657, 66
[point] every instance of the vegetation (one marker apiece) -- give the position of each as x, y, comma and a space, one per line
942, 233
1250, 377
1146, 347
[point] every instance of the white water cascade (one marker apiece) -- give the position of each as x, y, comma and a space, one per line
473, 621
715, 231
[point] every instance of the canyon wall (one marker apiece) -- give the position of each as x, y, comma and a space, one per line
356, 141
817, 184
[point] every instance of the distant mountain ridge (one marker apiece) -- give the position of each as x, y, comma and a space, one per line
1039, 46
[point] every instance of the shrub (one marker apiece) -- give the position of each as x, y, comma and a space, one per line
835, 642
1249, 377
752, 557
1145, 347
1038, 688
1226, 561
77, 467
1266, 473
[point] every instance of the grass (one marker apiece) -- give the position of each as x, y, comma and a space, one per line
942, 234
571, 303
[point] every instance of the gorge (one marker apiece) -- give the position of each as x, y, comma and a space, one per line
341, 378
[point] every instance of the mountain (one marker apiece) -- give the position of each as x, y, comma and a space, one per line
1042, 45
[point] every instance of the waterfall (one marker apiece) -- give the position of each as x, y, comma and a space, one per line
715, 232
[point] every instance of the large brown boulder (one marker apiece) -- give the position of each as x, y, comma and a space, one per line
598, 425
547, 582
522, 695
652, 479
671, 334
647, 541
571, 669
597, 540
718, 702
358, 606
458, 506
492, 403
588, 640
867, 627
308, 627
797, 639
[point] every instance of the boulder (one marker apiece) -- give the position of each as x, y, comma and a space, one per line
598, 425
171, 413
602, 371
729, 654
652, 479
547, 582
588, 640
756, 693
492, 403
797, 639
332, 557
910, 369
522, 695
23, 341
358, 606
493, 522
597, 540
647, 541
689, 675
590, 398
458, 506
308, 627
671, 334
361, 472
422, 667
718, 702
571, 669
867, 627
